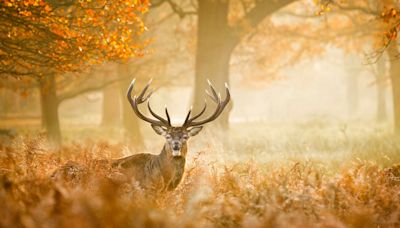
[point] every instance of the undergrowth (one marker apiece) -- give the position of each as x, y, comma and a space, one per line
36, 192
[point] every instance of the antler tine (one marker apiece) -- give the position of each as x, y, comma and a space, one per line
136, 100
215, 99
220, 107
214, 93
188, 116
157, 116
189, 120
142, 94
148, 95
167, 114
200, 113
227, 98
130, 88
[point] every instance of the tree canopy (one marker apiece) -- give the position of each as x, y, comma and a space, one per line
39, 36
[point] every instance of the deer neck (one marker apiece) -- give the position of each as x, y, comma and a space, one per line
166, 153
171, 166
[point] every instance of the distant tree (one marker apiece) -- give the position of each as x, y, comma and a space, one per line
381, 78
111, 101
221, 26
45, 39
359, 26
354, 26
380, 25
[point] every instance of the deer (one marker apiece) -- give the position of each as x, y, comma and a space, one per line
164, 171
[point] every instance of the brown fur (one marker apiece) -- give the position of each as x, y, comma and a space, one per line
160, 172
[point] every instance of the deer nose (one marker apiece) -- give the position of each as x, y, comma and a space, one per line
175, 147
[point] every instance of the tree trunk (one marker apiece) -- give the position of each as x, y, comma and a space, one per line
3, 103
214, 47
111, 106
394, 53
352, 93
381, 109
17, 104
49, 103
352, 84
42, 110
129, 121
216, 40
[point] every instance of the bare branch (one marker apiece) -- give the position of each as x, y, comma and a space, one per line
179, 10
90, 88
263, 9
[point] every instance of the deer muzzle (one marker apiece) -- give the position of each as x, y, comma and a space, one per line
176, 149
176, 153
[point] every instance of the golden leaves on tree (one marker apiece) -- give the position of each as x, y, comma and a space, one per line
391, 19
66, 36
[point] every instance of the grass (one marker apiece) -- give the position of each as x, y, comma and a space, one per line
269, 176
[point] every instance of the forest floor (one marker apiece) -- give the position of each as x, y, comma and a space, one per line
304, 175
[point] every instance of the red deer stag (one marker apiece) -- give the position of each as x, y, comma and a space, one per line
165, 170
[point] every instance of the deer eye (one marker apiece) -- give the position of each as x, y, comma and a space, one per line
185, 137
168, 137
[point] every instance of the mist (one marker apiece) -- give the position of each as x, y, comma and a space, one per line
102, 119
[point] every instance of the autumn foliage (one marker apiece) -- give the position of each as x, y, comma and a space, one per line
253, 181
41, 36
392, 21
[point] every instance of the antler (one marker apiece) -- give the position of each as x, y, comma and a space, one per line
137, 100
190, 122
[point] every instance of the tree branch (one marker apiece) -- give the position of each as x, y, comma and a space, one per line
73, 93
356, 8
154, 4
263, 9
179, 10
176, 8
253, 17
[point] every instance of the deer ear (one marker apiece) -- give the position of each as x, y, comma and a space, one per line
194, 131
159, 129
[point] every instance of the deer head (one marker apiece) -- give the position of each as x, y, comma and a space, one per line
176, 137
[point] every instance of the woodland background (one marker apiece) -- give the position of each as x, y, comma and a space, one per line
293, 60
310, 139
